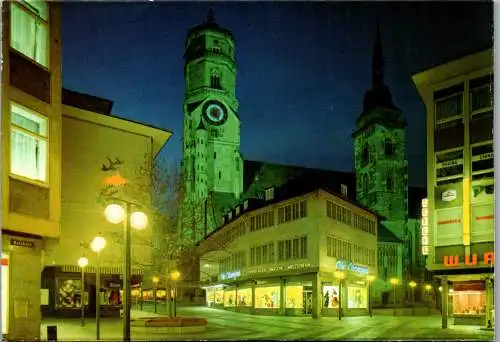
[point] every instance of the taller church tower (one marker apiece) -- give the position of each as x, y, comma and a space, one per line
212, 165
379, 150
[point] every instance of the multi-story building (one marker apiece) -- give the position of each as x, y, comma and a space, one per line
31, 157
459, 242
299, 250
92, 137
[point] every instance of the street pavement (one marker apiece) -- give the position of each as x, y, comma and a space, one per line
224, 325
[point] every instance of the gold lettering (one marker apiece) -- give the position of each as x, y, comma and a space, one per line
451, 260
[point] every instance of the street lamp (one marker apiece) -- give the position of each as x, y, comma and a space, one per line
97, 245
370, 279
155, 289
428, 295
341, 276
82, 262
394, 282
117, 213
175, 276
412, 286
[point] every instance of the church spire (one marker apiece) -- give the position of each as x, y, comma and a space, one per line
210, 16
378, 61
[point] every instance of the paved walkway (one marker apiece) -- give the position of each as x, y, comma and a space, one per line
224, 325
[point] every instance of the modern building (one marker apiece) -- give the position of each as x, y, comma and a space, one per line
299, 250
459, 242
92, 136
31, 157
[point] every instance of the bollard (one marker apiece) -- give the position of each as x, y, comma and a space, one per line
52, 333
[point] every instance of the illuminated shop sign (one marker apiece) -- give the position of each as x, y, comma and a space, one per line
349, 266
425, 226
230, 275
280, 268
470, 260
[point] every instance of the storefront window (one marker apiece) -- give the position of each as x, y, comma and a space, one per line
69, 293
267, 297
244, 297
331, 297
210, 296
469, 302
5, 293
218, 296
230, 298
357, 297
294, 297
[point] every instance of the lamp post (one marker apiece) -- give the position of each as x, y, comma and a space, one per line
175, 276
412, 286
370, 279
116, 213
428, 295
82, 262
394, 282
341, 276
97, 245
155, 289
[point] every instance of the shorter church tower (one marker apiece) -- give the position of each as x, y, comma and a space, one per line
379, 149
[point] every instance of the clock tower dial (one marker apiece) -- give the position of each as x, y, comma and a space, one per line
214, 112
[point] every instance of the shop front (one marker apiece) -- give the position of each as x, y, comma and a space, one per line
468, 302
5, 293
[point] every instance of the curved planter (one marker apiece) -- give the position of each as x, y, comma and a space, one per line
177, 325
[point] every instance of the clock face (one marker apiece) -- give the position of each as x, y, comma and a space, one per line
215, 112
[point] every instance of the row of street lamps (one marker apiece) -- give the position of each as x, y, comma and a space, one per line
115, 214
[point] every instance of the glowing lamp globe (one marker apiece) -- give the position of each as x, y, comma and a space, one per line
114, 213
83, 261
428, 287
370, 278
175, 275
98, 244
156, 279
394, 281
412, 284
138, 220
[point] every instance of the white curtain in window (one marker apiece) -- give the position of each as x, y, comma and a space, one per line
24, 154
28, 35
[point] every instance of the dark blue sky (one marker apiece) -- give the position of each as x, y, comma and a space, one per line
303, 67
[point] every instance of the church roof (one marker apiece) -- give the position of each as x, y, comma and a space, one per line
385, 235
211, 25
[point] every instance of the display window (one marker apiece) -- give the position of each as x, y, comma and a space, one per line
161, 294
218, 296
294, 297
267, 297
69, 294
469, 302
357, 297
331, 297
210, 296
244, 297
5, 293
230, 298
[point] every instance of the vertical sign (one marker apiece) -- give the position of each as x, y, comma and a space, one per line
425, 226
5, 293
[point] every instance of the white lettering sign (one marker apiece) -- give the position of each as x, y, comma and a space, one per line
230, 275
347, 265
449, 195
425, 226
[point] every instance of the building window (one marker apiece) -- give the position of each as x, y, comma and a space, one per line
365, 156
343, 189
292, 249
449, 107
220, 174
292, 212
389, 183
215, 82
29, 30
449, 165
389, 147
28, 145
269, 194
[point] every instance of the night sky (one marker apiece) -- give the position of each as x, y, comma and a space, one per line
303, 68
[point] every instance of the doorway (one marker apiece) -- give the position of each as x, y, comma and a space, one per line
307, 297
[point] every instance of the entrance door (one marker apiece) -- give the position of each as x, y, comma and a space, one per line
307, 296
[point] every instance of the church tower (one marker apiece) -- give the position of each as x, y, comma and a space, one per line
212, 166
379, 150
